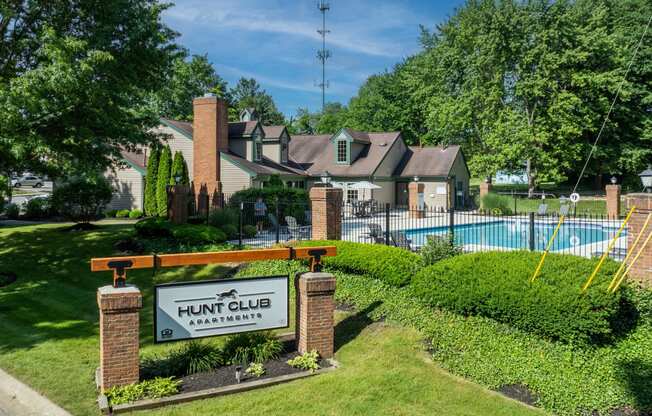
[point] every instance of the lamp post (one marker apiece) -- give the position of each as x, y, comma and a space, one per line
326, 178
646, 179
614, 180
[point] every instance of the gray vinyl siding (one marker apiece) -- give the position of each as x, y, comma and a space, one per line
385, 195
233, 178
272, 151
178, 143
128, 189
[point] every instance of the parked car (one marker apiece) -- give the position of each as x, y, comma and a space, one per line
27, 180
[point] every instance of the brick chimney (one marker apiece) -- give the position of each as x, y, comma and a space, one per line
210, 136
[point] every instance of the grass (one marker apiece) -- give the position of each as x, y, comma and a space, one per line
49, 327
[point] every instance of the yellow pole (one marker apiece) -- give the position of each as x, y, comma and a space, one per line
622, 278
630, 252
545, 253
606, 253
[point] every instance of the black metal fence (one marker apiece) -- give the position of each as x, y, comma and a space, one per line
584, 235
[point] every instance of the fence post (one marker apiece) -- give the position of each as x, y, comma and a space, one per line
240, 225
514, 198
387, 223
451, 225
531, 229
278, 221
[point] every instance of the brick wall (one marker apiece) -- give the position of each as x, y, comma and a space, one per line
613, 200
642, 269
315, 300
485, 188
326, 205
210, 136
119, 335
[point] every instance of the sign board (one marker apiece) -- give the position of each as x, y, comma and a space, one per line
441, 190
218, 307
575, 197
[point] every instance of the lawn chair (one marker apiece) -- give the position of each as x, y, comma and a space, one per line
543, 208
376, 233
296, 231
399, 239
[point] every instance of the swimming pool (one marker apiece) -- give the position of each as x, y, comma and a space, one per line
515, 234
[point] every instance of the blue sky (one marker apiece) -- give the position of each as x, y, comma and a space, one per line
276, 41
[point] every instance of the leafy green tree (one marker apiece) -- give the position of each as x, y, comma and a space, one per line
190, 78
304, 123
151, 181
179, 168
163, 180
248, 94
76, 79
331, 119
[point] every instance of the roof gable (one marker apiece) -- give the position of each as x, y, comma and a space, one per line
427, 161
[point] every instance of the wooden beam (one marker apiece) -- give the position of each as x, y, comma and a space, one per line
193, 259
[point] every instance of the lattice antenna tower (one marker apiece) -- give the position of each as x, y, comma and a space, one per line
324, 53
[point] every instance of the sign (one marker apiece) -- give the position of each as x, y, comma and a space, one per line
575, 197
219, 307
441, 190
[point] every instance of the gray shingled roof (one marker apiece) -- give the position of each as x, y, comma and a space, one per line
265, 166
427, 161
315, 154
236, 129
138, 159
273, 132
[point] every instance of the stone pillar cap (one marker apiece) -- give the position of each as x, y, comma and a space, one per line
110, 290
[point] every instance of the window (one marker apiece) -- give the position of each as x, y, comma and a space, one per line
341, 152
352, 195
258, 151
284, 150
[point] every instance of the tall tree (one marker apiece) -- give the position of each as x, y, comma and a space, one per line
179, 169
151, 181
75, 81
331, 119
248, 94
162, 181
190, 78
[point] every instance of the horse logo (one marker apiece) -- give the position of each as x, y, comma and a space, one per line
231, 294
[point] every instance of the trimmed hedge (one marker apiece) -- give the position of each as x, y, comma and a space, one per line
496, 285
198, 234
153, 227
392, 265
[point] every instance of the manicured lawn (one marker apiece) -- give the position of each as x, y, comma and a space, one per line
48, 322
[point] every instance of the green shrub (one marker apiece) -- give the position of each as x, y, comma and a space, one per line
150, 181
390, 264
110, 213
190, 358
255, 369
162, 181
230, 230
221, 217
123, 213
306, 361
438, 248
37, 208
135, 213
497, 204
252, 347
197, 234
249, 231
82, 199
148, 389
153, 227
12, 211
496, 285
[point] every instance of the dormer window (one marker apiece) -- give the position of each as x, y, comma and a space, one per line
258, 149
342, 151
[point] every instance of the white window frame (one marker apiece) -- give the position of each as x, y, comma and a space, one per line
338, 143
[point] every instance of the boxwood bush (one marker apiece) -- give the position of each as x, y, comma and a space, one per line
153, 227
198, 234
392, 265
496, 285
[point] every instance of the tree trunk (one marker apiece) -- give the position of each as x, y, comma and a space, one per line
530, 179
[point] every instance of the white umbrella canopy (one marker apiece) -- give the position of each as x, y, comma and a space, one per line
364, 185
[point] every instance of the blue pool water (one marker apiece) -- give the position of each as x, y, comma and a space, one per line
515, 234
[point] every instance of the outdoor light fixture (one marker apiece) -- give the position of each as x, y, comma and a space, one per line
177, 179
416, 178
646, 178
614, 180
326, 177
238, 373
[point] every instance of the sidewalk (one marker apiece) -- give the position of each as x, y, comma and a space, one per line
17, 399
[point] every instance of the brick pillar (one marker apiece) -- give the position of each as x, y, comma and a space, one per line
485, 188
326, 205
315, 300
178, 204
119, 329
642, 269
414, 189
613, 201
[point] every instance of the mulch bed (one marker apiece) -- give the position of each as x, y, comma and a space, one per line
520, 392
225, 376
7, 278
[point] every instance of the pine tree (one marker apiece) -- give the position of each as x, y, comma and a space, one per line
150, 183
179, 168
186, 174
163, 180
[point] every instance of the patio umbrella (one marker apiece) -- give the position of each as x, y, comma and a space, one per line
364, 185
